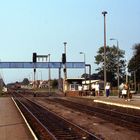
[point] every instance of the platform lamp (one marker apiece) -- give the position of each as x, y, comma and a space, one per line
118, 78
105, 79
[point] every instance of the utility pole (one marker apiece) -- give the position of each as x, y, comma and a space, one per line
118, 74
34, 61
64, 60
49, 75
135, 81
85, 66
104, 14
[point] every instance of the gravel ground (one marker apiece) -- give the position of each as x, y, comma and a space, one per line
100, 127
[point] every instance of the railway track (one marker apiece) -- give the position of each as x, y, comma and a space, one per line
49, 126
123, 119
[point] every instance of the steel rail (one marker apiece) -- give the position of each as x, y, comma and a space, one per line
59, 127
40, 130
123, 119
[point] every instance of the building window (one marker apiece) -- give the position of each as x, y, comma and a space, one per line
74, 87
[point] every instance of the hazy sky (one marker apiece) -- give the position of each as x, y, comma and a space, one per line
41, 26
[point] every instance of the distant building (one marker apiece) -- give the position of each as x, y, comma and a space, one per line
39, 83
92, 83
74, 84
43, 84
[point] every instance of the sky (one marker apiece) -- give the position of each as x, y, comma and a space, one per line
41, 26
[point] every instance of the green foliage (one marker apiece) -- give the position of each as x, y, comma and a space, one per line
114, 57
134, 63
54, 83
85, 75
25, 81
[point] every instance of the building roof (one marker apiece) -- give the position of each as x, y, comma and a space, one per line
91, 81
75, 79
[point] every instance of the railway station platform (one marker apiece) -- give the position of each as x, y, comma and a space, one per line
12, 125
134, 103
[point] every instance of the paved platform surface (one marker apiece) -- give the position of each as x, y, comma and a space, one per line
115, 100
12, 125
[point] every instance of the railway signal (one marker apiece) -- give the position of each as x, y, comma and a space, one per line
63, 58
34, 57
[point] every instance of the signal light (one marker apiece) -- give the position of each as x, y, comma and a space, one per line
64, 70
34, 57
63, 58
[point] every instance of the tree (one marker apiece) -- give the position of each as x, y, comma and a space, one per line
134, 63
55, 83
114, 57
25, 81
95, 76
85, 75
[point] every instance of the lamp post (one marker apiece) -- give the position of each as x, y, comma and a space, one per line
135, 82
85, 65
65, 43
49, 74
84, 60
104, 14
126, 71
118, 78
40, 75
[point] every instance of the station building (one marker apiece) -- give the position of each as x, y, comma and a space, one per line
77, 85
